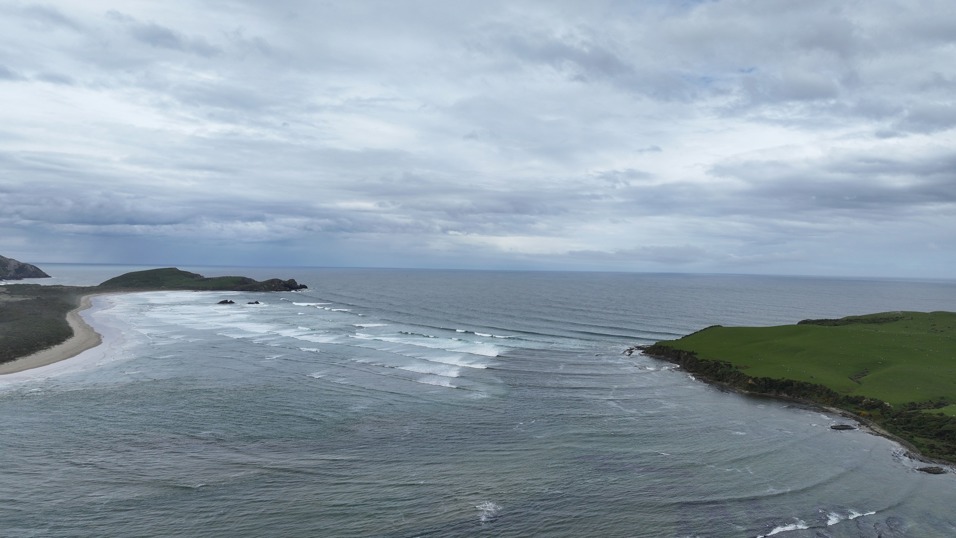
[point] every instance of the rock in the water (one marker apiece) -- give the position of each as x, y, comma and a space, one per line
11, 269
226, 301
842, 427
932, 469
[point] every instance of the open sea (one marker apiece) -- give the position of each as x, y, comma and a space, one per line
407, 403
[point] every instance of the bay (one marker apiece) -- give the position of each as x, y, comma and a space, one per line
445, 403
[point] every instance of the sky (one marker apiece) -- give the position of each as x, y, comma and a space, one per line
765, 136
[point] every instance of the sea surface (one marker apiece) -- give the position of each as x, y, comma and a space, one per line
409, 403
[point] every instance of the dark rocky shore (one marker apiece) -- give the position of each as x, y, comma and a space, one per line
927, 437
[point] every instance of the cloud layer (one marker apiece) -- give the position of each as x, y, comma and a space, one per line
722, 136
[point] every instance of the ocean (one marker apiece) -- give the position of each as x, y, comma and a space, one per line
407, 403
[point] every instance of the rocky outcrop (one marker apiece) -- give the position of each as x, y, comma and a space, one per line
273, 284
932, 469
842, 427
11, 269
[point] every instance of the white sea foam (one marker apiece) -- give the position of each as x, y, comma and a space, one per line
310, 304
433, 368
312, 349
488, 511
834, 517
483, 335
369, 325
437, 381
445, 344
457, 360
795, 526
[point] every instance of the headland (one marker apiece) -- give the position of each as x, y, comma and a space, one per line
895, 372
40, 325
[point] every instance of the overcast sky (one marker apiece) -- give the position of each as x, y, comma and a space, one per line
764, 136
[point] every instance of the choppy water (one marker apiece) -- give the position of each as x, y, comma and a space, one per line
445, 403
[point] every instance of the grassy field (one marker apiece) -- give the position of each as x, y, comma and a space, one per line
896, 368
909, 359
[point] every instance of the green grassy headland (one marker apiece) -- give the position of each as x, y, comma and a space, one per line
170, 278
897, 369
33, 317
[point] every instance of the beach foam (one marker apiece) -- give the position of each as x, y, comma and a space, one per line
797, 525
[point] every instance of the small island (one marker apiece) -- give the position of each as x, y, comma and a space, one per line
894, 371
36, 319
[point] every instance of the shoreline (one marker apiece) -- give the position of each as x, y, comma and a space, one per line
84, 338
864, 424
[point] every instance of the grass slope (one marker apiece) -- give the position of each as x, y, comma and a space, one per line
905, 359
171, 278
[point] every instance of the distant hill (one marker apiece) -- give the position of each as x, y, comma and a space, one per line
171, 278
11, 269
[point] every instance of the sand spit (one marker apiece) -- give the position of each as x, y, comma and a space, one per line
84, 337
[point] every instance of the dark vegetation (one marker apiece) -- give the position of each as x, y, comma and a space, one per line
33, 317
171, 278
896, 370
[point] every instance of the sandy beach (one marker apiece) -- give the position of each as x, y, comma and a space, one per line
84, 337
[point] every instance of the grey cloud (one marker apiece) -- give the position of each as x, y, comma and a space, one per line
790, 86
56, 78
586, 56
927, 118
869, 187
8, 74
515, 133
623, 178
580, 58
156, 35
48, 17
668, 255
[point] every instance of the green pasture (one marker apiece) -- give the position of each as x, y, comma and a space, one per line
897, 357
